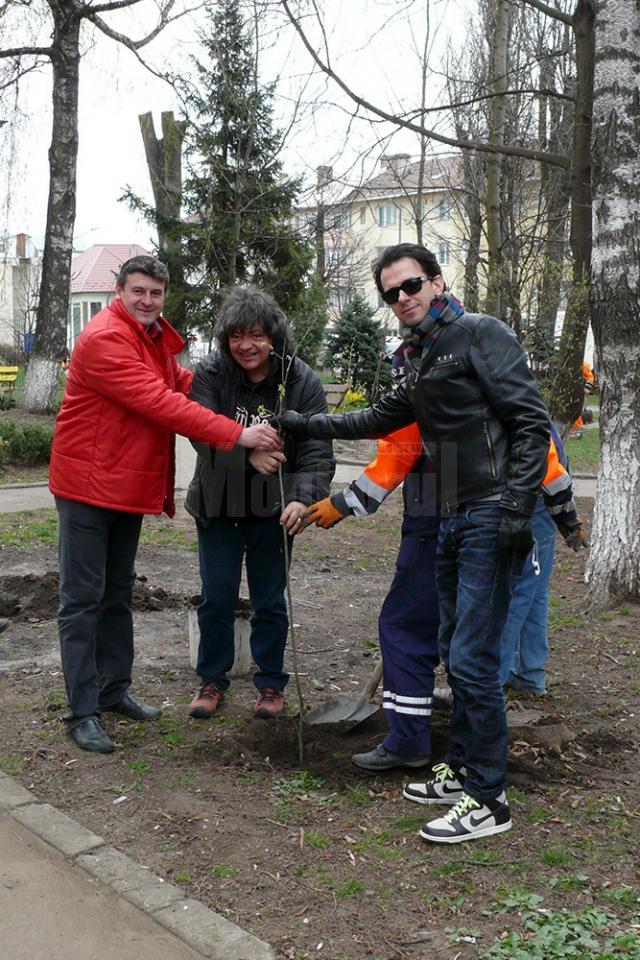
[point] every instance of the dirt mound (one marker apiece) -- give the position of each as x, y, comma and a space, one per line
34, 596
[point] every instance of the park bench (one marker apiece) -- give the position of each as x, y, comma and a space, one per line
8, 377
335, 394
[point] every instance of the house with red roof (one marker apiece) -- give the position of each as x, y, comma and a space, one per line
93, 279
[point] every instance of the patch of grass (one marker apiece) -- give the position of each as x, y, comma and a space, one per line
409, 822
352, 888
370, 644
182, 876
555, 857
56, 699
13, 764
539, 815
372, 840
139, 766
357, 793
224, 720
448, 869
584, 454
221, 870
166, 535
28, 528
315, 839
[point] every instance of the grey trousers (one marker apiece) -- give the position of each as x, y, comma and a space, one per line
97, 550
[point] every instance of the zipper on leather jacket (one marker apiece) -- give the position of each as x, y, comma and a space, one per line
492, 459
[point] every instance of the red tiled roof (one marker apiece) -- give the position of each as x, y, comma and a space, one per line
95, 269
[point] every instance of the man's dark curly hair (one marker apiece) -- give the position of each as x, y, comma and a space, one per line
245, 308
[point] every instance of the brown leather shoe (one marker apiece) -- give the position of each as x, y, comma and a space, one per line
207, 701
270, 703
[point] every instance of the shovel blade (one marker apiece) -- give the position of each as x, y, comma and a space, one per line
341, 710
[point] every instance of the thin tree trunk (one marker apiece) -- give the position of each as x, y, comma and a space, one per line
493, 300
613, 568
41, 382
568, 390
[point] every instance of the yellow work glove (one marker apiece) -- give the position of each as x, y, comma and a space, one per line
323, 514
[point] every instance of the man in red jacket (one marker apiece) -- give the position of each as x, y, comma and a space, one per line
112, 461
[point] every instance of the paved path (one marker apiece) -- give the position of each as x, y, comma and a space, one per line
67, 895
37, 496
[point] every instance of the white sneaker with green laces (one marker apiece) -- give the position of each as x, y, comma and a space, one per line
470, 820
445, 787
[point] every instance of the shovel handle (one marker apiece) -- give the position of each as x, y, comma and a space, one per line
372, 683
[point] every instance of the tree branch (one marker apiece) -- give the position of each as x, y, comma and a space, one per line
114, 5
26, 52
553, 158
551, 11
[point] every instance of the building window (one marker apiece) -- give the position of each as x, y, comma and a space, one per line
387, 215
346, 220
363, 215
76, 316
95, 307
444, 209
444, 254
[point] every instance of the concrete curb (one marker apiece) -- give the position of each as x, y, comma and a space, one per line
204, 930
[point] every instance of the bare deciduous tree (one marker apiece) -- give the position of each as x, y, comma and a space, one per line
66, 19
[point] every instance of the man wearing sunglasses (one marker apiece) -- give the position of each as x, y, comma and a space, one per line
486, 432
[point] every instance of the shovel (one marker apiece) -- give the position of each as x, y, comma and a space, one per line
348, 711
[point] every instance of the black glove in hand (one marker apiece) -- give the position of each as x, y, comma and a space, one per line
292, 422
514, 534
574, 535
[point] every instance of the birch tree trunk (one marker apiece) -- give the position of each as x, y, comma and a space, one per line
41, 382
613, 569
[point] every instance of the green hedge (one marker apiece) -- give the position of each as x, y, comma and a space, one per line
25, 444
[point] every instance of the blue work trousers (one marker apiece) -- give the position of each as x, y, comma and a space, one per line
408, 627
525, 642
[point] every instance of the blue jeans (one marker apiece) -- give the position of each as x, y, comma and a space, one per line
408, 628
96, 550
222, 545
525, 643
473, 590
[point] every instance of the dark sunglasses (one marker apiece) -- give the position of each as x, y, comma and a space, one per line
409, 286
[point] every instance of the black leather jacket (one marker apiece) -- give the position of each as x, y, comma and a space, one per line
482, 419
219, 485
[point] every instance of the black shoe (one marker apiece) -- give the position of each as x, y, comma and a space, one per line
89, 735
382, 759
134, 709
4, 623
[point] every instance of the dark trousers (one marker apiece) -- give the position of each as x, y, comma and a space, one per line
97, 550
473, 588
222, 544
408, 628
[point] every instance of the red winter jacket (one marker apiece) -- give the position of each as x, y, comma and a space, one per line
125, 399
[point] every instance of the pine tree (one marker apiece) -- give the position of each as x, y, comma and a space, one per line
237, 200
355, 348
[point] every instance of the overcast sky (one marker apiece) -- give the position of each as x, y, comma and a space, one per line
373, 44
